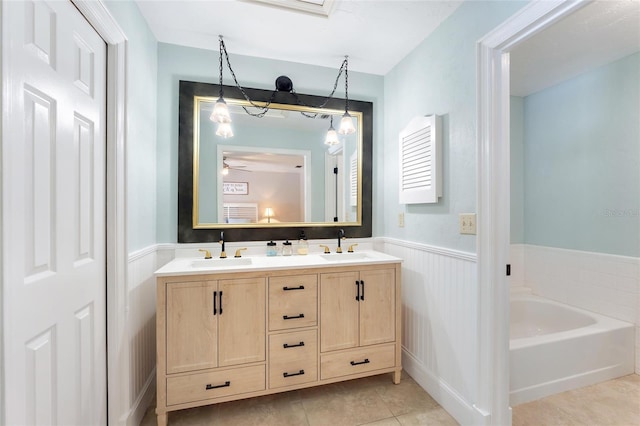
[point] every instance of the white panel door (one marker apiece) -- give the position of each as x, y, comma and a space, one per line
53, 207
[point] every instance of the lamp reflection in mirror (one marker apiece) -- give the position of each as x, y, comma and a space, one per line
332, 135
268, 213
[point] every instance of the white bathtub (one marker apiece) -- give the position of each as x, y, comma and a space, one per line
555, 348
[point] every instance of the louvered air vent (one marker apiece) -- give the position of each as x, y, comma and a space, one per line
353, 179
420, 170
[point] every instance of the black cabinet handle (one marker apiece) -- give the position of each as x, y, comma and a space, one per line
287, 346
366, 361
215, 293
357, 290
293, 288
293, 317
226, 384
220, 302
361, 291
299, 373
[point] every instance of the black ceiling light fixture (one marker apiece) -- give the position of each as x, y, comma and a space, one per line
283, 83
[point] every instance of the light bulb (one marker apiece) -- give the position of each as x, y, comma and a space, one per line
220, 112
346, 124
224, 130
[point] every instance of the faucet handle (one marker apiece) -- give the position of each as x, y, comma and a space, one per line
326, 248
351, 248
207, 253
238, 254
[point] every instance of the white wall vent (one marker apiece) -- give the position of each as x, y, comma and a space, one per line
420, 161
353, 179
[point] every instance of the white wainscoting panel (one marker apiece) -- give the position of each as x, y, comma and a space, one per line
439, 323
598, 282
142, 331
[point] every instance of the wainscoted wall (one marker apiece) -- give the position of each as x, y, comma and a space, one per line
439, 300
142, 328
602, 283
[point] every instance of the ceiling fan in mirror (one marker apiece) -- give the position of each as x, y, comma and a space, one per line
226, 167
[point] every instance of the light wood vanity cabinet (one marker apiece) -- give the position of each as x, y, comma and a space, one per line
213, 324
227, 336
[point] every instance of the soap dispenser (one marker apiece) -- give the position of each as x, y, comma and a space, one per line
272, 249
287, 249
303, 244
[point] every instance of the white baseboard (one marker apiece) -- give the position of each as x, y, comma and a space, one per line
451, 401
144, 401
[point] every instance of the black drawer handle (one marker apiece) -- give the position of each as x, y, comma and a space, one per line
287, 346
220, 302
215, 294
366, 361
361, 294
357, 290
226, 384
294, 317
299, 373
293, 288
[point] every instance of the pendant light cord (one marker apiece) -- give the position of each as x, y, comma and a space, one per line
264, 108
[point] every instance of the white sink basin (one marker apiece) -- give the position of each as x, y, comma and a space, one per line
344, 257
221, 263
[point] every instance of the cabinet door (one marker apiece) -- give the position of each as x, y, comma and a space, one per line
338, 311
191, 326
242, 321
377, 309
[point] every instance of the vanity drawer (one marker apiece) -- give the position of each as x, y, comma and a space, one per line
293, 301
202, 386
356, 361
293, 358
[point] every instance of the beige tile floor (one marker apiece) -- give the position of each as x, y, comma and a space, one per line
377, 401
615, 402
370, 401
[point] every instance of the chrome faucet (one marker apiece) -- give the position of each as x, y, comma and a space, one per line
341, 237
223, 253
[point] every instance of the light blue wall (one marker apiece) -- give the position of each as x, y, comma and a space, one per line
177, 63
582, 162
141, 123
439, 77
517, 169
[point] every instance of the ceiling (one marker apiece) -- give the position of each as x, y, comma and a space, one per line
376, 34
598, 33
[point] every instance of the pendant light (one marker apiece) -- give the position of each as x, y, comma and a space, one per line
224, 130
222, 116
346, 124
220, 112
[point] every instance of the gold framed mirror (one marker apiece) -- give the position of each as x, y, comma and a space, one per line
276, 172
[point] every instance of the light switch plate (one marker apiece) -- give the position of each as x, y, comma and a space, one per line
400, 220
467, 223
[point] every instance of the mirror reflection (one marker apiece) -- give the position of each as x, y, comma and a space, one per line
275, 170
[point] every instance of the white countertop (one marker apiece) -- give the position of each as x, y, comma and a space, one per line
199, 265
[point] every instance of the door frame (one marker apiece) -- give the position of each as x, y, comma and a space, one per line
493, 188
